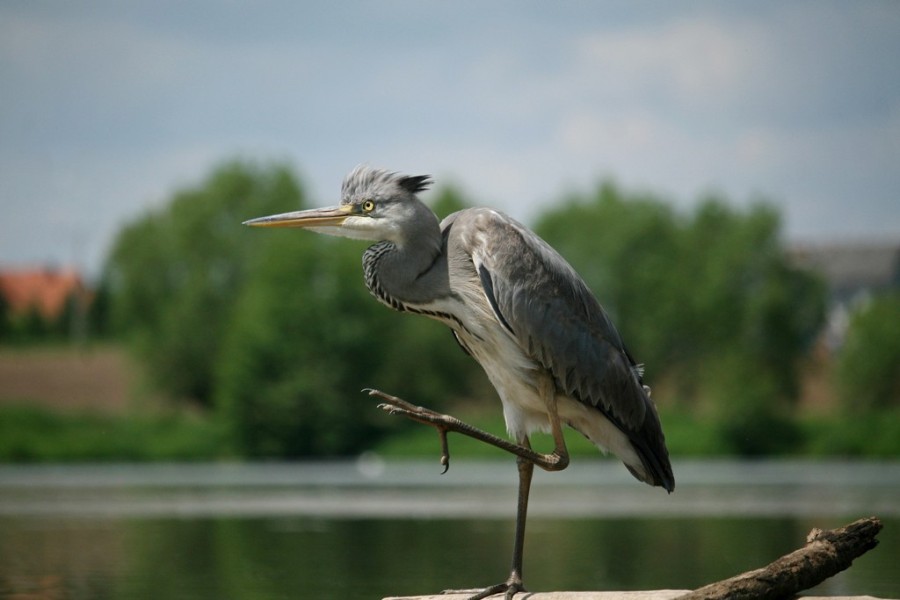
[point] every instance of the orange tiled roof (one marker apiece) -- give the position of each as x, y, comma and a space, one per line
43, 289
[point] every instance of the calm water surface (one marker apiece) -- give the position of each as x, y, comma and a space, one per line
368, 528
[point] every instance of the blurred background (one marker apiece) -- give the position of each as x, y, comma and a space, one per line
724, 176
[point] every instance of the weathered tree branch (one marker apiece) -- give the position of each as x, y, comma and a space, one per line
826, 553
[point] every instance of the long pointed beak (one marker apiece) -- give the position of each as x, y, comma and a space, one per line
316, 217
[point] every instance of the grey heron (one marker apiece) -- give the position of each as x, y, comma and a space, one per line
518, 308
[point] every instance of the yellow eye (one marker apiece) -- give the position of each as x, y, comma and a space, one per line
368, 206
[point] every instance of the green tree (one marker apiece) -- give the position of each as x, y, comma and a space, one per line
303, 343
741, 293
98, 319
6, 324
174, 274
32, 326
868, 365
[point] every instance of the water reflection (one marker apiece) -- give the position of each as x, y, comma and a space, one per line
141, 532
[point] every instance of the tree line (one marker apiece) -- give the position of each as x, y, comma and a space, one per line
275, 333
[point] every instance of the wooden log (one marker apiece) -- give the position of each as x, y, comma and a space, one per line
641, 595
825, 554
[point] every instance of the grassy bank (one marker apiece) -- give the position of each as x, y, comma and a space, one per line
33, 434
69, 404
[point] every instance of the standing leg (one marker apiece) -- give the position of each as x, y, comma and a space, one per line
526, 468
514, 584
526, 459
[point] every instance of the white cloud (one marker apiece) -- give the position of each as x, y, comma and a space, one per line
108, 110
697, 61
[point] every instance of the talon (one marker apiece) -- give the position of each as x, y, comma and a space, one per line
445, 450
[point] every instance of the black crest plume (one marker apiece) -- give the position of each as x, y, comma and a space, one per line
415, 183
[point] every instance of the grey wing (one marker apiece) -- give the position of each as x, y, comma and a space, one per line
540, 299
545, 304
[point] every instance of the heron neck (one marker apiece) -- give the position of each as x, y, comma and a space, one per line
414, 274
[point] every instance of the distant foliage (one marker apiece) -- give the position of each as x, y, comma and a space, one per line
6, 323
173, 275
868, 369
303, 343
33, 327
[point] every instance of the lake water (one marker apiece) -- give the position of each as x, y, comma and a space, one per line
371, 528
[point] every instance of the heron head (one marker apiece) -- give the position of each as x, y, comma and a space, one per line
375, 205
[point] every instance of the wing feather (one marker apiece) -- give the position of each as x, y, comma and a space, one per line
538, 297
488, 284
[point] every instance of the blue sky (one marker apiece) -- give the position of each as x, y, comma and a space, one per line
108, 107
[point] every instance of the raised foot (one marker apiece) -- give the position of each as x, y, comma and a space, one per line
441, 422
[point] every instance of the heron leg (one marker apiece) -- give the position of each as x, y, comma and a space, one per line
526, 459
556, 461
514, 584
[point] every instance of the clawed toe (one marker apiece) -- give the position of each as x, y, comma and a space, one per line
510, 590
396, 406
